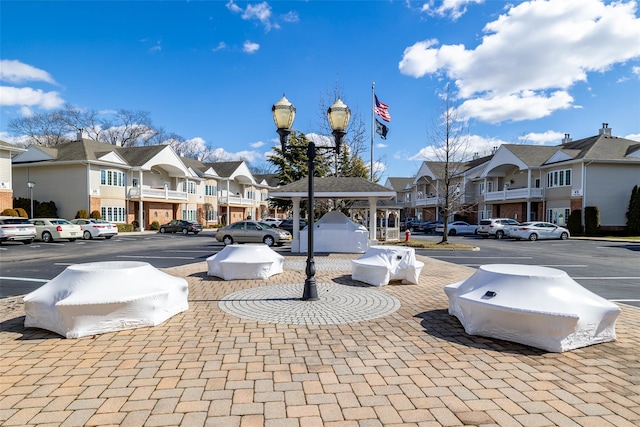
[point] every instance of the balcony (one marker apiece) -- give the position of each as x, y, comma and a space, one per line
157, 193
513, 194
236, 200
427, 201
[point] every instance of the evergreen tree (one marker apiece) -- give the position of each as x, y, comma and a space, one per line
633, 213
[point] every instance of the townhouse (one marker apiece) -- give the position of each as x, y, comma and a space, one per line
529, 182
143, 184
7, 151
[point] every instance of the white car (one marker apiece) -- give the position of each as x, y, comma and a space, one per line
274, 222
96, 228
49, 229
457, 227
16, 229
538, 230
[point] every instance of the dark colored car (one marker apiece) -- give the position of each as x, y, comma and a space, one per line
287, 224
181, 226
429, 226
412, 226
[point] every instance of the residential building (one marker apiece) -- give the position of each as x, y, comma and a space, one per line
527, 182
143, 184
7, 151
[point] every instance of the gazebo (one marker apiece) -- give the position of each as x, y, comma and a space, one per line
347, 188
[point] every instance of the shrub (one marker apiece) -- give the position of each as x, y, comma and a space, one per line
591, 221
633, 213
574, 222
9, 212
82, 213
22, 213
155, 225
124, 228
135, 224
96, 215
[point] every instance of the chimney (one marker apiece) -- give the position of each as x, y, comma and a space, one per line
566, 139
494, 149
606, 130
476, 155
79, 134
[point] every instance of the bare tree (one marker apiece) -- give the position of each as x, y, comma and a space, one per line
40, 128
449, 139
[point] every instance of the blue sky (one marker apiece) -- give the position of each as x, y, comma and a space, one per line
521, 72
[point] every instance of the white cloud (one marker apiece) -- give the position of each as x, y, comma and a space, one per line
257, 144
26, 96
634, 136
16, 72
381, 145
636, 71
220, 46
250, 47
549, 136
474, 144
220, 155
451, 8
526, 105
258, 11
531, 56
291, 17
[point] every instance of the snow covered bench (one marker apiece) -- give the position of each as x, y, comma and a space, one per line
381, 264
248, 261
537, 306
94, 298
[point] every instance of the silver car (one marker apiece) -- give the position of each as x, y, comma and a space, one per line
13, 228
252, 232
538, 230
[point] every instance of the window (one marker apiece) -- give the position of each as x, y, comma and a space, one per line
189, 187
559, 178
189, 214
211, 190
558, 216
112, 178
113, 214
212, 215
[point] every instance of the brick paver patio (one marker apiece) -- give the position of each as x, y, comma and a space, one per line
413, 367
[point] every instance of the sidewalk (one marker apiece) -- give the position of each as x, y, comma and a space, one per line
413, 367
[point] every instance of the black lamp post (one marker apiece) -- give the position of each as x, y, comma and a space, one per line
338, 114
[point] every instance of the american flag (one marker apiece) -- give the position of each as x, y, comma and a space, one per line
382, 110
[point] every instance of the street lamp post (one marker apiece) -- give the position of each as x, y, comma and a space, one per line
338, 115
31, 184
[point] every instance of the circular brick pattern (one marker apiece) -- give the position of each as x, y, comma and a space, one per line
337, 304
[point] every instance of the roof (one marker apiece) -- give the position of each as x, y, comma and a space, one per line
10, 147
400, 184
334, 187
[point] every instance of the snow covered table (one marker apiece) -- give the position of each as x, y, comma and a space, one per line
381, 264
248, 261
537, 306
99, 297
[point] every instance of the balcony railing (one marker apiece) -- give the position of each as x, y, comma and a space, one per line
157, 193
515, 193
236, 200
427, 201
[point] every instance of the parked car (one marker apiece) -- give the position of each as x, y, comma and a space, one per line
181, 226
252, 232
17, 229
96, 228
497, 227
50, 229
429, 226
539, 230
457, 227
287, 224
413, 225
274, 222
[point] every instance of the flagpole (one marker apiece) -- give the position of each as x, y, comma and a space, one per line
373, 103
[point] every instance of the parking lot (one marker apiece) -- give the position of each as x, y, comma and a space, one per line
610, 269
